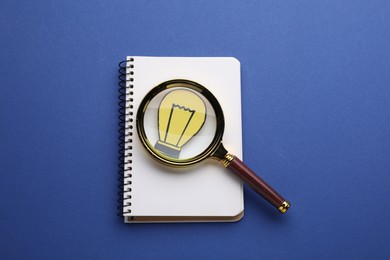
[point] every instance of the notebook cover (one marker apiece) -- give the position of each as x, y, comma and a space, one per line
153, 192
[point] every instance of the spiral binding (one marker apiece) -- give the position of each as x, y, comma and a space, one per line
126, 86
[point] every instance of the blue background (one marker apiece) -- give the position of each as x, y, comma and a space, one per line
316, 120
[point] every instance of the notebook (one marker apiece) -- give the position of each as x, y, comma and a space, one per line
153, 192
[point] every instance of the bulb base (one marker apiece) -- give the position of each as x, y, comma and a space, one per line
168, 149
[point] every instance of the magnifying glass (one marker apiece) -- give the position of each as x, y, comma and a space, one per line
180, 123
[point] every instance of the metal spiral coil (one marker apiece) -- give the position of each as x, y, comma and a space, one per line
125, 135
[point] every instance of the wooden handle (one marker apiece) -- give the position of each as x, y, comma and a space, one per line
256, 183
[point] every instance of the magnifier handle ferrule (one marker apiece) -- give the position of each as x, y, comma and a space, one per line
255, 182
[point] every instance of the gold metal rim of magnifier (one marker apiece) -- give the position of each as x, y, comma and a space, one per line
181, 83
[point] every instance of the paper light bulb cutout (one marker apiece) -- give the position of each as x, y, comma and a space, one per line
181, 115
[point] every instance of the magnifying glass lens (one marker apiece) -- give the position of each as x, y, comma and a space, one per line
179, 124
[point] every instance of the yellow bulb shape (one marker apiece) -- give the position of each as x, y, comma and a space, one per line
181, 115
